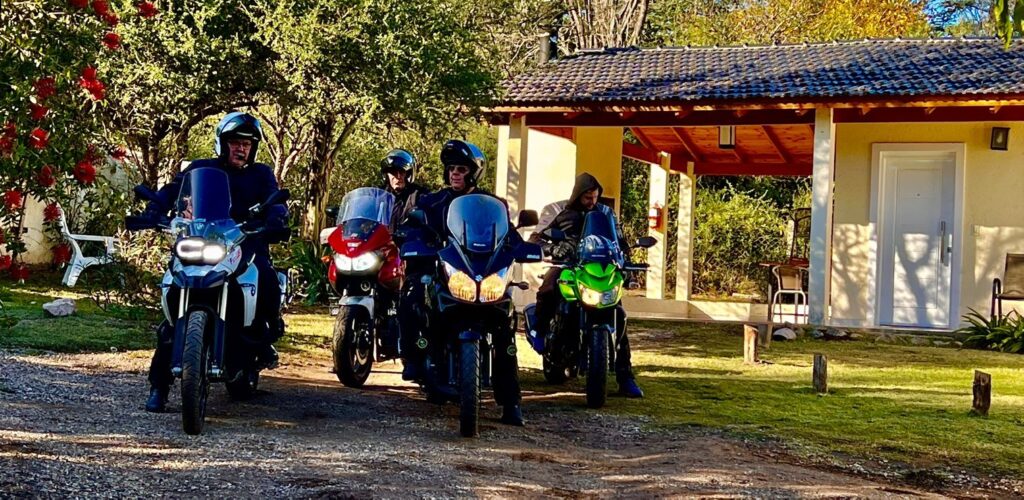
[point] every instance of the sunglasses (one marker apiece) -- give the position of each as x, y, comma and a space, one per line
460, 169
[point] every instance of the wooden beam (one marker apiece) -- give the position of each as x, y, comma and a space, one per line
801, 169
819, 377
642, 137
640, 153
688, 143
936, 114
776, 143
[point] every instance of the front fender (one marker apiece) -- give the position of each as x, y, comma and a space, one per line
364, 301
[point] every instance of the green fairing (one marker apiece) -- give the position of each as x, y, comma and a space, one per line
593, 275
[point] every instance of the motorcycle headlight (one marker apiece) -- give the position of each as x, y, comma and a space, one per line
494, 286
366, 262
199, 251
595, 298
460, 284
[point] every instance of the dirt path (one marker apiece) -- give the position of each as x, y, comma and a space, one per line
74, 424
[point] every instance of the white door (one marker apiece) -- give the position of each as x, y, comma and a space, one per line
917, 251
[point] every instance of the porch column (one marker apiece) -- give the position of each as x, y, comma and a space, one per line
822, 185
657, 255
684, 234
510, 169
599, 153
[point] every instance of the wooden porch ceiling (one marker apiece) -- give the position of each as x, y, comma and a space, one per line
760, 149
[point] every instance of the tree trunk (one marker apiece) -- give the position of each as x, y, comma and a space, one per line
320, 166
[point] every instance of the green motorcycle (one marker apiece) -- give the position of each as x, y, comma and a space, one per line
585, 331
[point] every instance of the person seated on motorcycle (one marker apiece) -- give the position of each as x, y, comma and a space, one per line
398, 171
464, 164
585, 195
236, 140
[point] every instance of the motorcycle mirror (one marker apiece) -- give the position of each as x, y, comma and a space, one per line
332, 212
527, 218
528, 252
554, 234
275, 198
142, 192
646, 242
522, 285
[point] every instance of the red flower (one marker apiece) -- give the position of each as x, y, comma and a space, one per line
38, 111
51, 212
112, 40
79, 4
10, 130
147, 9
5, 262
84, 172
91, 153
111, 19
119, 153
6, 146
39, 138
61, 254
45, 177
101, 7
89, 82
19, 271
13, 199
45, 87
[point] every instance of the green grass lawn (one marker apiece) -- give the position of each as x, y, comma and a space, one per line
894, 402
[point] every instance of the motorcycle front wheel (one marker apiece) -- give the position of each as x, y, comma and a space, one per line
353, 346
597, 366
195, 382
469, 388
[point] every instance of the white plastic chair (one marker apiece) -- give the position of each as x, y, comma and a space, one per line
789, 281
79, 261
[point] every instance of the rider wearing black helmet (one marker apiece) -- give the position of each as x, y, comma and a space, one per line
236, 140
398, 173
464, 165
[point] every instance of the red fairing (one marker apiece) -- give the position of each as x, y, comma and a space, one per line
392, 272
354, 246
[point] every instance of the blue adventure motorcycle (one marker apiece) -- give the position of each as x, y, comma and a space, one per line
469, 297
209, 291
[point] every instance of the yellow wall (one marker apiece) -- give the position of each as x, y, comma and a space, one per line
993, 208
599, 152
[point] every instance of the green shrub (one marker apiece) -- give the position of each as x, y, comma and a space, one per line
307, 259
733, 232
1004, 333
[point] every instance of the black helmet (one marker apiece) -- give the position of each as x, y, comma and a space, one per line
456, 152
237, 125
398, 160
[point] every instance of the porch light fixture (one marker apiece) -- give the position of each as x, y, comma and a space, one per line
726, 137
1000, 138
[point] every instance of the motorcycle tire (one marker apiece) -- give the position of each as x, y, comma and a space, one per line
597, 367
352, 363
195, 382
469, 388
243, 387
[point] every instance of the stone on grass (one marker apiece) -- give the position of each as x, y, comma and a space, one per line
60, 307
920, 340
784, 334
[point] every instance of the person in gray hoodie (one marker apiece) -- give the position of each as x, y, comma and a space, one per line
585, 197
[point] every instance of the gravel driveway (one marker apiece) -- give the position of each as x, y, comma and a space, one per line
73, 425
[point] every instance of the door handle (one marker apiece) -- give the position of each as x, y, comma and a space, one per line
946, 242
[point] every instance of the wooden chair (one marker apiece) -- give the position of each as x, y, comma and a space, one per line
1011, 286
79, 261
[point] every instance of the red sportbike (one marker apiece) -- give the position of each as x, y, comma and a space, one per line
366, 271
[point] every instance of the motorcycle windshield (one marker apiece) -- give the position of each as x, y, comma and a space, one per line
479, 223
205, 195
600, 240
367, 203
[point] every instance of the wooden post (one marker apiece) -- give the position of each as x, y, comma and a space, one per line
820, 374
982, 392
751, 354
764, 335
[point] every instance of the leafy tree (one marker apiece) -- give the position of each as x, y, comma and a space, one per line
179, 65
1009, 18
50, 91
354, 63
